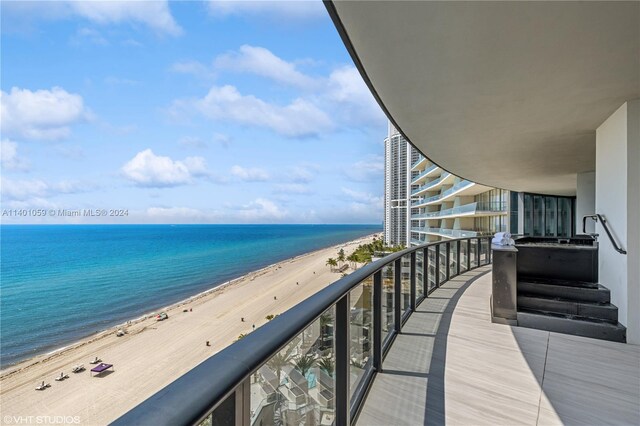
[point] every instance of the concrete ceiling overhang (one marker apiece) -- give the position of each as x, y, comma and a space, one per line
507, 94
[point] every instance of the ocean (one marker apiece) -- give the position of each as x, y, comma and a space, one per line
60, 283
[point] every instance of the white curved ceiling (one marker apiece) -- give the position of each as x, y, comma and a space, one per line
507, 94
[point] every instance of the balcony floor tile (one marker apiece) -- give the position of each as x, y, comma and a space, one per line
452, 365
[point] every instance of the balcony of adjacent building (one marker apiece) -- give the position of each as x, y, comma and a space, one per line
422, 162
460, 188
445, 178
477, 209
447, 232
430, 171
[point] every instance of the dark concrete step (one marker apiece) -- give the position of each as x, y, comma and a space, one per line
603, 311
600, 294
558, 282
570, 324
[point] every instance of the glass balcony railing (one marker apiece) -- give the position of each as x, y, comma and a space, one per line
467, 208
420, 160
425, 172
452, 233
431, 184
314, 363
457, 187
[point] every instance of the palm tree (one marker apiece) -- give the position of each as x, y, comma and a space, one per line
332, 263
279, 361
304, 363
327, 364
341, 256
353, 259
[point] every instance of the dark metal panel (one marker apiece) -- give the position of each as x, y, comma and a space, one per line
436, 279
377, 321
341, 334
447, 257
458, 258
504, 285
413, 281
397, 290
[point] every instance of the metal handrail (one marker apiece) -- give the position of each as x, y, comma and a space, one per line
195, 396
602, 219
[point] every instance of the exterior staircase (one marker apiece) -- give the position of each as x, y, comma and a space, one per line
568, 304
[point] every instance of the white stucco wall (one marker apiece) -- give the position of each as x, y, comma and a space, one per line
585, 200
616, 178
633, 221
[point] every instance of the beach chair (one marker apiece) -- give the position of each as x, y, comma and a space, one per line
95, 361
43, 386
78, 368
61, 377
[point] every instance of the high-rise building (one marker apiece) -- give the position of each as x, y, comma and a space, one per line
425, 203
399, 155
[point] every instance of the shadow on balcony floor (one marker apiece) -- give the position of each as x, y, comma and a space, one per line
452, 365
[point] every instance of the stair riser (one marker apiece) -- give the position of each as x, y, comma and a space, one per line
600, 295
577, 328
604, 312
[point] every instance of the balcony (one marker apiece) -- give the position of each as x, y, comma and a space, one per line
430, 186
425, 174
421, 162
447, 233
405, 348
314, 363
444, 195
472, 209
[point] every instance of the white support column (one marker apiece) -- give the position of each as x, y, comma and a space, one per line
618, 199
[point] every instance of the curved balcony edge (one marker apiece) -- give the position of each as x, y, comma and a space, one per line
194, 396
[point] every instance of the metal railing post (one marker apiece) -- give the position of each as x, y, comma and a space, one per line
377, 321
468, 254
412, 305
458, 257
243, 404
478, 252
397, 287
490, 252
436, 279
447, 260
425, 271
342, 362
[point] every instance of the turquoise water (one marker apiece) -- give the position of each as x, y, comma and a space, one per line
61, 283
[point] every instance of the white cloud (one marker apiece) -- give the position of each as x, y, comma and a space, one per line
175, 212
43, 114
362, 197
148, 169
10, 158
299, 118
347, 89
249, 174
260, 61
36, 188
259, 211
155, 14
295, 10
368, 170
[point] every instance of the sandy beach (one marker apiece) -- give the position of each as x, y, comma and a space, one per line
152, 354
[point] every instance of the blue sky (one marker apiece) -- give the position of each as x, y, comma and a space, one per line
186, 112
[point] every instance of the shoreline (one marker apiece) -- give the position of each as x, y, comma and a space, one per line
38, 359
